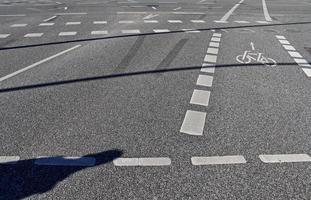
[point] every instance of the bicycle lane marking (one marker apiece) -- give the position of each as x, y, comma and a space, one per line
194, 121
303, 63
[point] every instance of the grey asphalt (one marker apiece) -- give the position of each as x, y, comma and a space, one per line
126, 95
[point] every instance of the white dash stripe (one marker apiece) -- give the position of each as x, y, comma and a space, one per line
151, 21
49, 19
212, 50
300, 61
289, 47
283, 158
4, 35
37, 63
174, 21
307, 71
99, 22
197, 21
73, 23
205, 80
241, 22
67, 33
216, 34
218, 160
214, 44
155, 161
81, 13
18, 25
215, 39
284, 42
262, 22
9, 159
99, 32
126, 22
208, 67
46, 24
130, 31
66, 161
33, 35
294, 54
200, 97
210, 58
280, 37
161, 30
193, 123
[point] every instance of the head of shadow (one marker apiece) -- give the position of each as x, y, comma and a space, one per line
24, 178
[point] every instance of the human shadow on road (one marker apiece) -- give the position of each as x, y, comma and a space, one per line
24, 178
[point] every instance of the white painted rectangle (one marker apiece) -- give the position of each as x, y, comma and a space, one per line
99, 22
205, 80
210, 58
160, 30
241, 22
126, 162
300, 61
4, 35
67, 33
73, 23
294, 54
215, 39
174, 21
217, 35
99, 32
193, 123
280, 37
33, 35
307, 71
283, 158
155, 161
289, 47
197, 21
284, 42
126, 22
200, 97
66, 161
135, 31
151, 21
18, 25
214, 44
262, 22
9, 159
212, 50
208, 68
218, 160
46, 24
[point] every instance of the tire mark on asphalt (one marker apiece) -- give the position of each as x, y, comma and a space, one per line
172, 54
130, 55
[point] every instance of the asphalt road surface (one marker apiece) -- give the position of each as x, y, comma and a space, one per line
164, 99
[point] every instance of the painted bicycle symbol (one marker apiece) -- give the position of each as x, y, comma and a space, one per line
253, 56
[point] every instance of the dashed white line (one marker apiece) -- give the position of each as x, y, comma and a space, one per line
295, 54
151, 21
241, 22
134, 31
208, 68
280, 37
218, 160
33, 35
212, 50
126, 22
50, 18
210, 58
214, 44
205, 80
46, 24
215, 39
66, 161
37, 63
148, 161
262, 22
67, 33
229, 13
200, 97
9, 159
99, 22
197, 21
284, 158
289, 47
73, 23
99, 32
161, 30
80, 13
193, 123
174, 21
18, 25
2, 36
265, 11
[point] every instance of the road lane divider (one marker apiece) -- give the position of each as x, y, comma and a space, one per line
135, 162
38, 63
65, 161
9, 159
218, 160
194, 121
285, 158
297, 57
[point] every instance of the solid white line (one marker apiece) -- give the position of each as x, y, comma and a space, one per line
33, 35
50, 18
227, 15
295, 54
67, 33
210, 58
73, 23
205, 80
282, 158
100, 22
66, 161
307, 71
208, 68
99, 32
9, 159
200, 97
156, 161
265, 11
212, 50
37, 63
193, 123
18, 25
46, 24
4, 36
218, 160
131, 31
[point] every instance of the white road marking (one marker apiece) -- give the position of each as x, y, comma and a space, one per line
161, 30
99, 22
212, 50
215, 39
73, 23
280, 37
188, 13
178, 8
289, 47
214, 44
9, 159
33, 35
193, 123
18, 15
66, 161
50, 18
241, 22
307, 71
67, 33
283, 158
4, 35
126, 22
205, 80
18, 25
227, 15
99, 32
262, 22
151, 21
37, 63
153, 7
197, 21
174, 21
80, 13
216, 34
188, 30
131, 31
148, 161
218, 21
200, 97
131, 12
300, 61
294, 54
284, 42
46, 24
208, 68
151, 16
218, 160
210, 58
265, 11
